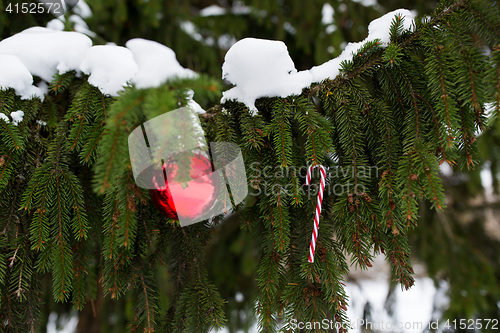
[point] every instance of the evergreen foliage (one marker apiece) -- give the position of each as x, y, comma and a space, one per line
71, 213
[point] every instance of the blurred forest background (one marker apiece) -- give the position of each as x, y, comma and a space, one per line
459, 247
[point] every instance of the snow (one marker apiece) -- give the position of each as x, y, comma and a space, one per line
63, 323
441, 302
413, 309
261, 68
289, 28
13, 74
212, 10
82, 9
238, 8
189, 28
327, 14
239, 297
56, 24
45, 52
367, 3
487, 180
194, 32
490, 110
257, 68
446, 169
416, 304
192, 103
377, 29
110, 67
225, 41
44, 87
81, 26
156, 63
17, 117
331, 28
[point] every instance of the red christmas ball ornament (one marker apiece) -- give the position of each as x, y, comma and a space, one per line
191, 201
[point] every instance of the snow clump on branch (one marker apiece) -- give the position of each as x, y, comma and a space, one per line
263, 68
257, 68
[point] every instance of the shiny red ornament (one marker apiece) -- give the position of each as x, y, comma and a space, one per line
194, 199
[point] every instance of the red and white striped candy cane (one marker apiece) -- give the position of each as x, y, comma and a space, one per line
312, 247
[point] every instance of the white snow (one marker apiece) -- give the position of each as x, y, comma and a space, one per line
331, 28
225, 41
191, 29
489, 110
63, 323
45, 52
56, 24
192, 103
81, 26
238, 8
13, 74
416, 304
110, 67
212, 10
446, 169
194, 32
440, 303
377, 29
44, 87
367, 3
17, 117
239, 297
157, 63
487, 180
412, 308
83, 9
289, 28
261, 68
327, 14
257, 68
32, 91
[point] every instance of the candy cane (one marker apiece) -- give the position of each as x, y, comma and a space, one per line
312, 248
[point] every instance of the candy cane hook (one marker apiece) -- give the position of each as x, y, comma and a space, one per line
312, 247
